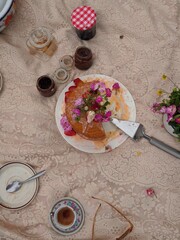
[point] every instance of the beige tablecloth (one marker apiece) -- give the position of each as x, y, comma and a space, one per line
28, 132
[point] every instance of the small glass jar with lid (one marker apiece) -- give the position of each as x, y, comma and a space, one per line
83, 19
42, 43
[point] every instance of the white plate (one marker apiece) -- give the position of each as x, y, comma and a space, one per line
96, 146
79, 216
17, 171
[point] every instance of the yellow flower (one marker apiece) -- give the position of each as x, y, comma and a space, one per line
138, 153
159, 92
164, 77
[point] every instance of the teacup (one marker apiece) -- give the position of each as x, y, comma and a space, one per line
65, 217
7, 10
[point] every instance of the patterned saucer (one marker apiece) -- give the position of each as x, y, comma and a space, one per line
78, 211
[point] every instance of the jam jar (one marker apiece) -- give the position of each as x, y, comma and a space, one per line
46, 86
83, 19
42, 42
83, 58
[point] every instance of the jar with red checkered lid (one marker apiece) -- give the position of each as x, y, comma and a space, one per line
83, 19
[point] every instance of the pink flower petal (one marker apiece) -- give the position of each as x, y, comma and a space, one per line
116, 86
99, 99
108, 92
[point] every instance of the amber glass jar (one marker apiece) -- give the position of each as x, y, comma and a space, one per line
83, 58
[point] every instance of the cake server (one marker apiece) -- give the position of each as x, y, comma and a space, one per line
136, 131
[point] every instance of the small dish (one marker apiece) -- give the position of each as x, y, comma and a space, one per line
7, 10
168, 128
17, 171
77, 210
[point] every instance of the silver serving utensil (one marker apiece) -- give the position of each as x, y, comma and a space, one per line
136, 131
16, 185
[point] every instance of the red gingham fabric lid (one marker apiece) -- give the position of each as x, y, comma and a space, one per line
83, 18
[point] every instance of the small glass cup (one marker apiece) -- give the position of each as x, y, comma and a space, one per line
67, 62
61, 75
46, 86
42, 43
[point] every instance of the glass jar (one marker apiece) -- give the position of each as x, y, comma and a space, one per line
46, 86
83, 58
42, 42
83, 19
61, 75
67, 62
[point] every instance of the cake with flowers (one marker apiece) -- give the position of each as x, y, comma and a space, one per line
88, 104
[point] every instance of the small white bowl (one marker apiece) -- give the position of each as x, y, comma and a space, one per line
168, 128
7, 10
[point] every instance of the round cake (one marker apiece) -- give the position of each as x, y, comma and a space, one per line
92, 130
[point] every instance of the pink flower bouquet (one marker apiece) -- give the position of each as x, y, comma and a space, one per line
171, 107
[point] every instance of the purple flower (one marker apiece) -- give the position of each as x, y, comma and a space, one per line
163, 110
99, 99
65, 124
108, 92
94, 86
107, 116
169, 117
171, 110
116, 86
102, 87
79, 102
98, 117
155, 107
77, 111
177, 120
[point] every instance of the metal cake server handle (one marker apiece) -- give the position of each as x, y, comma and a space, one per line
136, 131
16, 185
161, 145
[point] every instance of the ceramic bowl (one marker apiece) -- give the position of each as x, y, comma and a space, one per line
168, 128
7, 10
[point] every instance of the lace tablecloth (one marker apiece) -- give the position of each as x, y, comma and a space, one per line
28, 132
